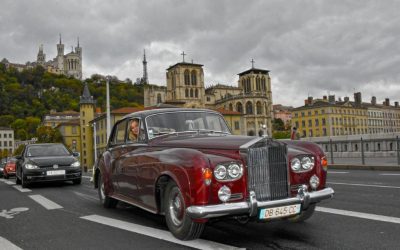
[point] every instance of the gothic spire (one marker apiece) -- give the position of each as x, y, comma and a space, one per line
60, 38
86, 98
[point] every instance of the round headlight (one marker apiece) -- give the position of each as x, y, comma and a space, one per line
220, 172
314, 182
76, 164
295, 164
224, 194
307, 163
234, 171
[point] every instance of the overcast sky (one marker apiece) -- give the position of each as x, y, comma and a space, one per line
311, 48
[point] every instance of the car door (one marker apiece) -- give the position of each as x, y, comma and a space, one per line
132, 161
117, 151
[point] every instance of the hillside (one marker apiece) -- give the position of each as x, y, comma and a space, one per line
27, 96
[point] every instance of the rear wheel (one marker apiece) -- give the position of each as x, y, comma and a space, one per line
304, 215
105, 200
6, 176
178, 222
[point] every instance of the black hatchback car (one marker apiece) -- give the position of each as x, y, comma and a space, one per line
47, 162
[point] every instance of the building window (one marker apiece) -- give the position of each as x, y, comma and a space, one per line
191, 92
304, 133
310, 123
324, 131
187, 77
196, 93
258, 84
159, 100
323, 122
209, 99
186, 92
249, 108
297, 124
230, 107
194, 77
239, 107
303, 123
316, 122
259, 108
74, 130
237, 125
316, 112
263, 85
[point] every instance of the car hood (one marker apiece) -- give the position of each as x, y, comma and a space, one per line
230, 142
227, 142
49, 161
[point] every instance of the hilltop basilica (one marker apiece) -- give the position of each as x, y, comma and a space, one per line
69, 64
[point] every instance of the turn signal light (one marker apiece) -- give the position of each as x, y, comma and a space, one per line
207, 175
324, 163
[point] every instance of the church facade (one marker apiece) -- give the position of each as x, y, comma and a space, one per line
69, 64
252, 97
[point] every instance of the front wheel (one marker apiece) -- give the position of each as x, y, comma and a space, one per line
105, 200
24, 183
178, 222
304, 215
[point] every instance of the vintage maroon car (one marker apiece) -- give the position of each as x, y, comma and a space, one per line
186, 165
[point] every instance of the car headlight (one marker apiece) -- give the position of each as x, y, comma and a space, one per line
30, 166
229, 171
220, 172
76, 164
295, 164
307, 163
234, 170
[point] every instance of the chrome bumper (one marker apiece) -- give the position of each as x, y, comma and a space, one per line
251, 207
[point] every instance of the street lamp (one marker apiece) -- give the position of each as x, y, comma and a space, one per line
95, 141
108, 107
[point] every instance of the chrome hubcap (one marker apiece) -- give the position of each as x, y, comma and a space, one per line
102, 195
176, 208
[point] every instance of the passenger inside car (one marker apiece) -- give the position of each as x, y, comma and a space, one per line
134, 130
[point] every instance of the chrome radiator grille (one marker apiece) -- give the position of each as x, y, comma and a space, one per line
268, 170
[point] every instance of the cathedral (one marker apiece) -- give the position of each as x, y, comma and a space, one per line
69, 64
185, 87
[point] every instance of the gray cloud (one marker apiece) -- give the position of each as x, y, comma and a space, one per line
310, 47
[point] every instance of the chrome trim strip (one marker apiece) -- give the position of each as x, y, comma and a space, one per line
248, 144
250, 208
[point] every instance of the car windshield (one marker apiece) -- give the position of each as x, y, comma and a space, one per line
47, 150
190, 121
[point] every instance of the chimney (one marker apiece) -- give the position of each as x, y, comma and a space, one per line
310, 100
305, 102
346, 98
357, 98
373, 100
332, 99
396, 104
324, 98
387, 102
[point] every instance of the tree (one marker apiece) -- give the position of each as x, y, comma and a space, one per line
6, 120
281, 135
19, 150
278, 124
47, 134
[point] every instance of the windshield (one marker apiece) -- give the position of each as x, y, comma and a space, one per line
47, 150
175, 122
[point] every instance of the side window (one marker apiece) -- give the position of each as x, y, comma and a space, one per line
119, 136
136, 131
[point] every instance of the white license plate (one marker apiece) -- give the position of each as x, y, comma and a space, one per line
277, 212
56, 172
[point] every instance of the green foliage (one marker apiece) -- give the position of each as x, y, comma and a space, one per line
27, 96
47, 134
278, 125
19, 150
281, 135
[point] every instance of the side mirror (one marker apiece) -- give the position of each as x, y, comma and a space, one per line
76, 154
18, 157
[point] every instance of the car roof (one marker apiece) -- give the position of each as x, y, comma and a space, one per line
146, 113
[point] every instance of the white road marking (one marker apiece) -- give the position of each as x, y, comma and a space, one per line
155, 233
389, 174
329, 172
48, 204
7, 245
8, 182
359, 215
362, 185
23, 190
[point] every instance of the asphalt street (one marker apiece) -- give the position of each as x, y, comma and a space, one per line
364, 214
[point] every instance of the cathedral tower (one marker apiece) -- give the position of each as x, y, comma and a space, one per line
185, 84
60, 57
41, 57
86, 107
145, 79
